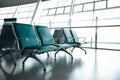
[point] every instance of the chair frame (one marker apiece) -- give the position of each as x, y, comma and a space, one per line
73, 43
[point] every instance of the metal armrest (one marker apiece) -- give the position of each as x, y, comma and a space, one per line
26, 40
71, 40
84, 38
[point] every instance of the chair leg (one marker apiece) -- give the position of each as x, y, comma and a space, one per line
72, 49
67, 53
33, 56
1, 57
15, 61
25, 60
82, 49
48, 55
56, 53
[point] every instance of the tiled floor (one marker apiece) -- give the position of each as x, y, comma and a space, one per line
96, 65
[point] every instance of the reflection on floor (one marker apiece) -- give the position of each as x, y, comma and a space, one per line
96, 65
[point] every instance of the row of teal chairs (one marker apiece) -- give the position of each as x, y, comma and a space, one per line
70, 37
31, 40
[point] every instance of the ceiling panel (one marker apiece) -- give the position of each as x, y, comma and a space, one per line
6, 3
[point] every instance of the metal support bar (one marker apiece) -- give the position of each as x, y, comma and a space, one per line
64, 51
96, 33
34, 57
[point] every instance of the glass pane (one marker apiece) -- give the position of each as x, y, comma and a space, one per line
21, 15
52, 11
48, 4
30, 14
88, 6
24, 9
82, 19
83, 1
61, 21
77, 8
67, 10
79, 1
113, 3
9, 15
100, 5
28, 20
60, 24
59, 10
64, 3
24, 12
3, 16
61, 18
108, 13
108, 17
109, 37
1, 22
44, 12
32, 8
22, 20
46, 19
88, 34
82, 16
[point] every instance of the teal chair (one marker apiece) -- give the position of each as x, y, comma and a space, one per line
72, 38
7, 42
28, 42
48, 40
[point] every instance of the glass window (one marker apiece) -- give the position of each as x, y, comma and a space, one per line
9, 15
24, 12
82, 19
52, 11
110, 38
88, 6
28, 20
82, 16
61, 20
49, 4
83, 1
113, 3
100, 5
108, 13
30, 14
59, 10
24, 9
46, 19
79, 1
21, 15
21, 20
67, 10
44, 12
7, 12
3, 16
78, 8
64, 3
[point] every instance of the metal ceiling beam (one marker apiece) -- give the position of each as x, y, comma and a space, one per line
8, 3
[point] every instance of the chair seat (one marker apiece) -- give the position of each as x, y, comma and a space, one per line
47, 48
44, 48
63, 45
73, 44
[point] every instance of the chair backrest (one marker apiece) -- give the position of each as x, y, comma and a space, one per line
59, 36
23, 31
75, 36
7, 36
68, 36
45, 35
